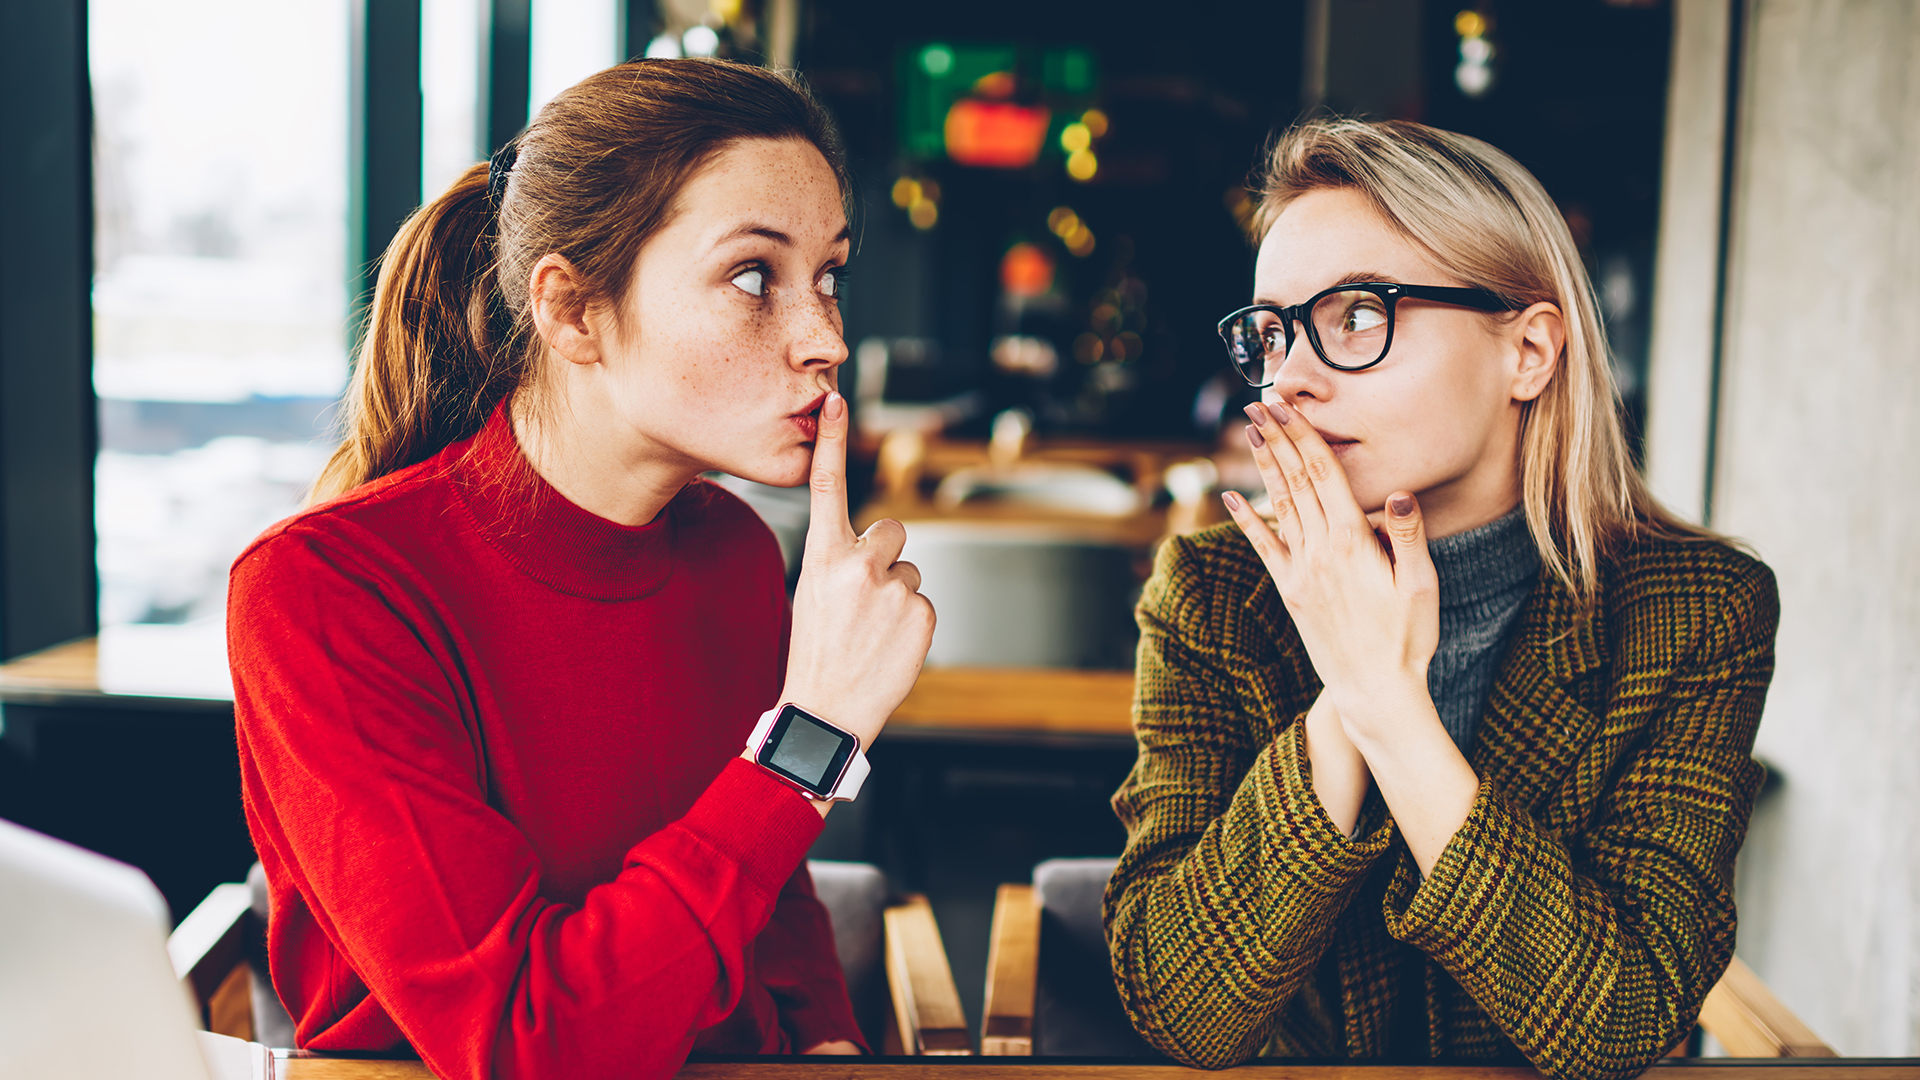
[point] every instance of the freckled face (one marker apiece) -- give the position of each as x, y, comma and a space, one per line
1436, 417
730, 334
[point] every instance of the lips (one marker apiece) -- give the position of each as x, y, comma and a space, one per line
1335, 441
808, 419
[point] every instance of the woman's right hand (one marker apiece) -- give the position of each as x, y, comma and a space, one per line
861, 629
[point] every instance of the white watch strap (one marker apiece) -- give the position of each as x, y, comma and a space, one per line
848, 789
851, 778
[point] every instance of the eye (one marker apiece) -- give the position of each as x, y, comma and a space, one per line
1363, 317
753, 282
833, 283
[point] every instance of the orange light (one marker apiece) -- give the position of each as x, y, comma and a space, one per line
995, 134
1026, 270
997, 84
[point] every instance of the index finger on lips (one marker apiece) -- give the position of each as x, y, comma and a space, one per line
828, 523
1323, 469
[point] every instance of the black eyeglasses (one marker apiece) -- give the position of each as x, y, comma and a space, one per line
1350, 326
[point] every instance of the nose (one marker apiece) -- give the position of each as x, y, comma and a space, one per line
815, 341
1300, 374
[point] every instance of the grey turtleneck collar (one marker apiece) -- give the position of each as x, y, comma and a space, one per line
1486, 575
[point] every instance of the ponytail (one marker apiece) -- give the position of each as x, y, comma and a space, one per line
430, 369
450, 335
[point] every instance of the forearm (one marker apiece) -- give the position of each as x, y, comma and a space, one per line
1424, 780
1340, 777
1592, 968
1210, 948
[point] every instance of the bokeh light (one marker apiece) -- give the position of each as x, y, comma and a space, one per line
1096, 122
936, 60
700, 41
1026, 270
1075, 138
1082, 165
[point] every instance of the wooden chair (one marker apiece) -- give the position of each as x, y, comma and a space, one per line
1740, 1012
889, 948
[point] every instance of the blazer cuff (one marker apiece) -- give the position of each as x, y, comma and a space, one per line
1459, 906
1323, 856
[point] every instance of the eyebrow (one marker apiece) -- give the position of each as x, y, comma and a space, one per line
773, 234
1353, 277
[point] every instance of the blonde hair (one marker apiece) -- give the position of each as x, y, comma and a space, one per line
1488, 223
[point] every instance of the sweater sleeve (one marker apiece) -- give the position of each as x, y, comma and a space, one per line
1594, 952
1234, 877
795, 960
364, 779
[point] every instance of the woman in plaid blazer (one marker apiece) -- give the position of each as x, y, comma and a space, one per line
1314, 868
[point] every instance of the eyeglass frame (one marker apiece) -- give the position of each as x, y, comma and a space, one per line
1390, 293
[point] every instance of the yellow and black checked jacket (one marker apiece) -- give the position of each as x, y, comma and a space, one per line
1577, 919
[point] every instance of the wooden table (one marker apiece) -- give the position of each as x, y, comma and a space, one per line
311, 1068
1017, 705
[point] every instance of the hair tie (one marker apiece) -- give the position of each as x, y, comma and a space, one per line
499, 167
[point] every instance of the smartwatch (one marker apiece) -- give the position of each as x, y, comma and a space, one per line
809, 753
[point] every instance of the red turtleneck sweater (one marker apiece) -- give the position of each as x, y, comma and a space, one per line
488, 750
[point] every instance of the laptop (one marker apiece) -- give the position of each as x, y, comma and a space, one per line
86, 988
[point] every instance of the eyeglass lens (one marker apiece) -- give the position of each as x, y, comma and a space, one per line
1352, 325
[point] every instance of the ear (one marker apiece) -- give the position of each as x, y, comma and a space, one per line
1539, 336
556, 293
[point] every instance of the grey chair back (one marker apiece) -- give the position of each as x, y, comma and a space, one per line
854, 894
271, 1024
1076, 1010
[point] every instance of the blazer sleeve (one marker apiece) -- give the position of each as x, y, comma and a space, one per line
1593, 952
364, 776
1233, 877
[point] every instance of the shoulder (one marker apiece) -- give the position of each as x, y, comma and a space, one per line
1701, 591
1205, 582
357, 525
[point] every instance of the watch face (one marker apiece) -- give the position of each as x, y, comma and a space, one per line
803, 749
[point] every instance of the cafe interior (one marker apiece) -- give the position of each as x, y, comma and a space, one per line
1050, 215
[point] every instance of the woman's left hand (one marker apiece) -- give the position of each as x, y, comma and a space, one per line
837, 1046
1367, 607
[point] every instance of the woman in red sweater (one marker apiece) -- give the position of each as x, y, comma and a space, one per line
493, 689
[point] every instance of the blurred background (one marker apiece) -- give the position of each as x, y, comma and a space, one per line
1051, 199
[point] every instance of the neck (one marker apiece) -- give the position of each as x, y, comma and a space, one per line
580, 448
1484, 493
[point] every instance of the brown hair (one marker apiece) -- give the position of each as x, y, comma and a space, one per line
1485, 219
598, 172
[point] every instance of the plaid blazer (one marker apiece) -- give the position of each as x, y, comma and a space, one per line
1578, 918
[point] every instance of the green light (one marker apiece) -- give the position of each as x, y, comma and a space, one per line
936, 60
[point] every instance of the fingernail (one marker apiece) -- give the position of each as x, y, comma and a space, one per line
1256, 414
1402, 505
1254, 436
835, 405
1280, 413
1233, 500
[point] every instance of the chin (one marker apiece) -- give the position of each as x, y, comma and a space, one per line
779, 471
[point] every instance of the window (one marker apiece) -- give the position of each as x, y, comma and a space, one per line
220, 284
